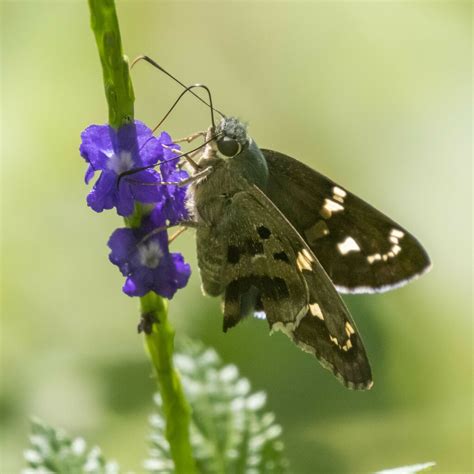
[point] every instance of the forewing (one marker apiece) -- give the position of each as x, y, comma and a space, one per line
268, 267
361, 249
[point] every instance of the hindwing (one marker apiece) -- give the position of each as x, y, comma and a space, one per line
265, 265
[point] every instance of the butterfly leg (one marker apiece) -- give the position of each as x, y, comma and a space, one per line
180, 231
183, 224
184, 182
194, 177
192, 137
190, 156
174, 150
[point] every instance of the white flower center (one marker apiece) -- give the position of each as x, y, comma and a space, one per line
150, 254
121, 163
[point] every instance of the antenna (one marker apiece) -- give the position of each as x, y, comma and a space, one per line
155, 64
186, 90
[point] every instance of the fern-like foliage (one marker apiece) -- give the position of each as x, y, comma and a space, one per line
53, 451
230, 432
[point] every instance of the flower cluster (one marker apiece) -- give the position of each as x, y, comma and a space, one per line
141, 253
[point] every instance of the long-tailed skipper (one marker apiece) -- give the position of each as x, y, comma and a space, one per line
277, 237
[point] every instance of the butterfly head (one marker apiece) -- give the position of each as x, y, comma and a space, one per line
232, 137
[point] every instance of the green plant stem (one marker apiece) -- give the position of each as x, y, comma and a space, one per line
117, 82
177, 412
160, 342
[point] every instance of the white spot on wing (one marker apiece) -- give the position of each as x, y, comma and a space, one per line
347, 345
395, 249
373, 258
332, 206
316, 311
349, 245
397, 233
338, 194
303, 262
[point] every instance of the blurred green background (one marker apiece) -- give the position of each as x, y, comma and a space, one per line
375, 95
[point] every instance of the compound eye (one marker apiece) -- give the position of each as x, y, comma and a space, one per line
228, 146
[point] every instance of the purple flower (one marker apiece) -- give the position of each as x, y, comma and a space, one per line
142, 255
114, 151
173, 205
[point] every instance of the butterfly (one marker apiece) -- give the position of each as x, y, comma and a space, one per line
276, 238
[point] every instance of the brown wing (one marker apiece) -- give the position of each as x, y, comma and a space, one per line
267, 266
361, 249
